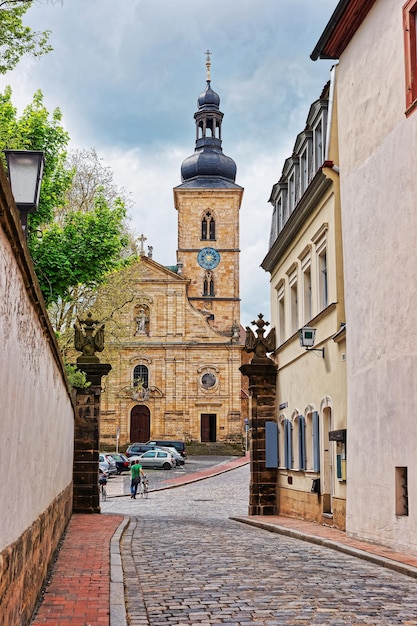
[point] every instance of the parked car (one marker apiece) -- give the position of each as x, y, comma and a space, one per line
138, 448
107, 463
122, 462
178, 445
177, 456
155, 459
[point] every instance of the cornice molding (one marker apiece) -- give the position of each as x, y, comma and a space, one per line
343, 24
304, 208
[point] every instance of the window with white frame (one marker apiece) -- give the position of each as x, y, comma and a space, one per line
293, 283
291, 192
284, 196
305, 288
280, 211
303, 170
318, 144
307, 307
323, 281
320, 240
281, 312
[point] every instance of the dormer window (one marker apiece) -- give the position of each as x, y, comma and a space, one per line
303, 171
318, 145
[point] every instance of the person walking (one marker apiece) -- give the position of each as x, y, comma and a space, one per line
136, 474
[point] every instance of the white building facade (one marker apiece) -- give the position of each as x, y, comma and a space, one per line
375, 43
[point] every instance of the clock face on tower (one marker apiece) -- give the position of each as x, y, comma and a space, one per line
208, 258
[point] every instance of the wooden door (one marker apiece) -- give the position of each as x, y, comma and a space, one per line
208, 427
140, 424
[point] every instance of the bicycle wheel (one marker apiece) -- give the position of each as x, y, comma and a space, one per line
145, 489
103, 493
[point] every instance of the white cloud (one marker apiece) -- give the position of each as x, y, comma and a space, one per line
127, 76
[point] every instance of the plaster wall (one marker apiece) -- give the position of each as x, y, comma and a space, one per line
378, 160
36, 415
306, 382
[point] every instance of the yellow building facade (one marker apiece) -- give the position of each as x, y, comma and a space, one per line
305, 261
175, 365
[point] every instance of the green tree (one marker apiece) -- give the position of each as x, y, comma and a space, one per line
80, 232
81, 252
37, 129
16, 39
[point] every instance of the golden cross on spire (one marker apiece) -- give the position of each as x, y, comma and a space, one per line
208, 64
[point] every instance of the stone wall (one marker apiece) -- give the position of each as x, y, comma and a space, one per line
24, 563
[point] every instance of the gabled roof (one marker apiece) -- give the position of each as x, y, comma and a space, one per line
343, 24
151, 270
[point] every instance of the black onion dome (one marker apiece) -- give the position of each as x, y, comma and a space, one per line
208, 98
208, 161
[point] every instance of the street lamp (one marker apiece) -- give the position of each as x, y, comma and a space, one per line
25, 168
308, 338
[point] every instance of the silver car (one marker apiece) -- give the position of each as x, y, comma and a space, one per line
107, 464
177, 456
155, 459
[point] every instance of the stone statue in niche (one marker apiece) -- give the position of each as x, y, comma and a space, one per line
141, 321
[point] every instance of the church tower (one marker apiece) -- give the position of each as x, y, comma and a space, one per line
208, 203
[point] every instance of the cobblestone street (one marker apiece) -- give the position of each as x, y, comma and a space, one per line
186, 562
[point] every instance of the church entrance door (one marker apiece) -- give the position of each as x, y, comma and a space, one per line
140, 424
208, 427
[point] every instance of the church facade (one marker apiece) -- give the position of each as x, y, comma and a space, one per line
175, 368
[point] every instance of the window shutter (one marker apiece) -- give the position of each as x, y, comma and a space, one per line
301, 442
271, 444
316, 442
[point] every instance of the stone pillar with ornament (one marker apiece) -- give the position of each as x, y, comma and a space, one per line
89, 339
262, 374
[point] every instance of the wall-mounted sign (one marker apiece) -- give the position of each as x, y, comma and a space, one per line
338, 435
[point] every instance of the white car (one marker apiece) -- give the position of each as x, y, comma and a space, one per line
155, 459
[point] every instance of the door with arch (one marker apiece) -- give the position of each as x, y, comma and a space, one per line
140, 424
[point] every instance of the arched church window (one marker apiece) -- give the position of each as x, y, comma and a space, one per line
208, 226
141, 376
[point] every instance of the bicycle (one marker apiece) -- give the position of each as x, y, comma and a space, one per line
102, 482
144, 487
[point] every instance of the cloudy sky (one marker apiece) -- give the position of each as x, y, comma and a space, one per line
127, 75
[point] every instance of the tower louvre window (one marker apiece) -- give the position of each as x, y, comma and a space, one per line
208, 227
208, 285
